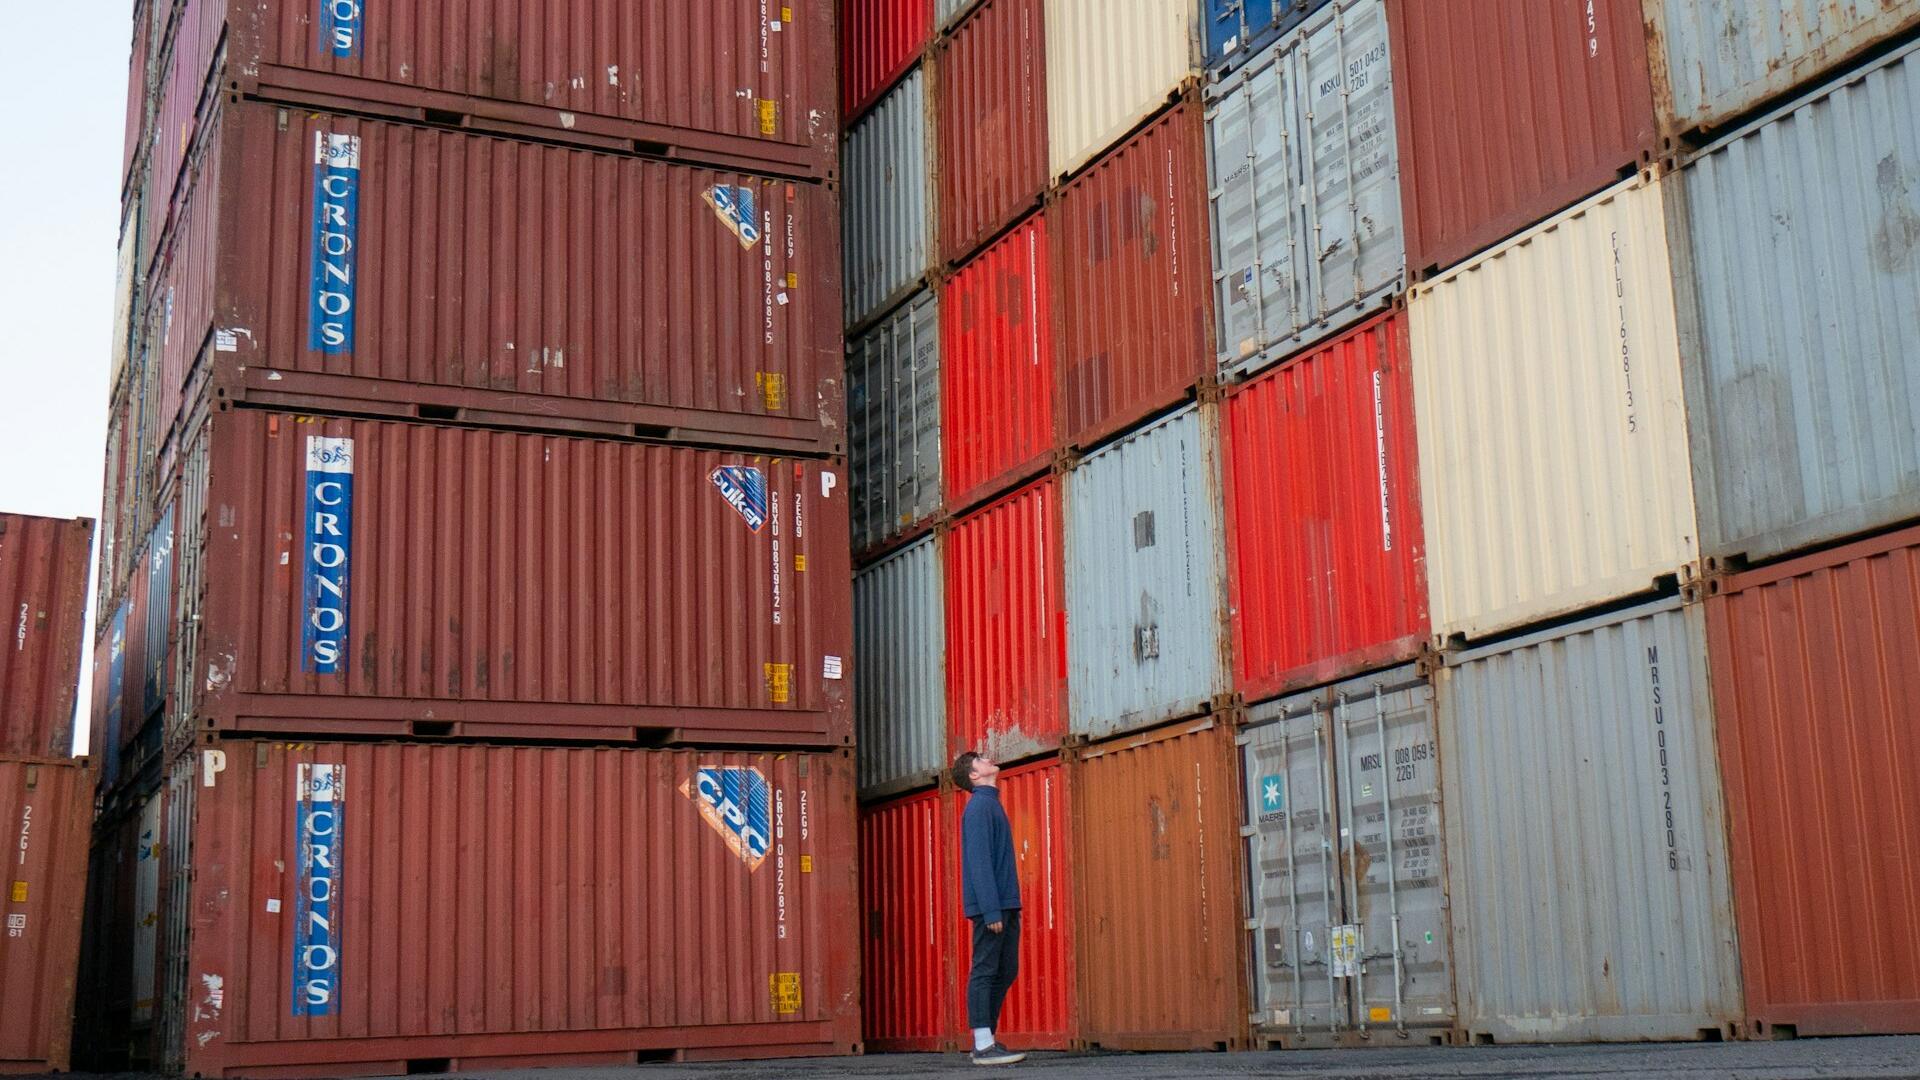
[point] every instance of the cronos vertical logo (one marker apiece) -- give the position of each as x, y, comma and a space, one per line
736, 803
331, 285
319, 804
327, 554
340, 27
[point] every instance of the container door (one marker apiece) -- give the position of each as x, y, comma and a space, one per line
1261, 254
146, 911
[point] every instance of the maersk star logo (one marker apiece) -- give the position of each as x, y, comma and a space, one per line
1270, 794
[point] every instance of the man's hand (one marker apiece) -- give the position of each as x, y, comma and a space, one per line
996, 927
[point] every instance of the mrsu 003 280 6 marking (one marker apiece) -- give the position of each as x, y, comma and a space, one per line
331, 286
327, 554
319, 799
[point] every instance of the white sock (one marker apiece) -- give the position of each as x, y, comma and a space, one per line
982, 1038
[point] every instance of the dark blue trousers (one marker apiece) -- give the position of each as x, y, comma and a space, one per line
996, 960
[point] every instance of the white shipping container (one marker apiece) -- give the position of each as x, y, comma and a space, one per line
1554, 468
1586, 834
899, 666
1145, 603
893, 422
887, 212
1109, 66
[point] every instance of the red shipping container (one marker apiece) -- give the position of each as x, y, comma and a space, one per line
1134, 275
136, 130
496, 281
1007, 627
353, 908
1816, 679
43, 598
1041, 1008
1326, 561
907, 891
1509, 111
405, 579
879, 41
991, 123
48, 807
996, 367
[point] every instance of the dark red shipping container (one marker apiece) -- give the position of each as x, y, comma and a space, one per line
48, 806
1326, 554
43, 598
137, 97
1134, 279
1510, 111
879, 41
1042, 1007
1007, 626
996, 367
378, 578
354, 908
499, 281
1816, 683
991, 123
908, 886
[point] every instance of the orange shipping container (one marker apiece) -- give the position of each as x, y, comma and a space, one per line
43, 600
48, 807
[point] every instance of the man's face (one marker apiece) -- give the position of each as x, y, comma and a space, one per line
984, 769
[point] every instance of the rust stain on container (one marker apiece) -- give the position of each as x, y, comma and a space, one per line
43, 611
1816, 672
991, 122
48, 806
359, 906
1158, 870
409, 579
908, 881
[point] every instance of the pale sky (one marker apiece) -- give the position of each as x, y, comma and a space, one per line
64, 112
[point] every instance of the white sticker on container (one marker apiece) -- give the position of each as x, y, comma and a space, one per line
828, 481
781, 299
273, 907
832, 667
226, 341
774, 26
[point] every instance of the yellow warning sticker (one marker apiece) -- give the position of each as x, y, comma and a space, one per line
1380, 1014
769, 115
793, 279
799, 564
773, 388
780, 683
19, 892
784, 988
806, 864
786, 14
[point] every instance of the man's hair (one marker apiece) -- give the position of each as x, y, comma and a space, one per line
963, 770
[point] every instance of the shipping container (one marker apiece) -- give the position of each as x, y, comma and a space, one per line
1797, 318
1714, 60
49, 807
893, 423
908, 888
1554, 471
948, 12
1350, 939
1326, 565
491, 281
997, 369
1305, 187
590, 907
43, 597
899, 667
1007, 627
1156, 868
745, 85
1586, 838
991, 122
378, 578
1130, 251
1041, 1009
1510, 111
106, 985
1110, 66
879, 41
1236, 29
1816, 669
185, 87
889, 219
139, 96
1145, 596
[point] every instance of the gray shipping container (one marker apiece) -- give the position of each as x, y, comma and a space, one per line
899, 669
1713, 60
1304, 170
1145, 610
1346, 866
948, 12
887, 212
893, 422
1586, 837
1802, 345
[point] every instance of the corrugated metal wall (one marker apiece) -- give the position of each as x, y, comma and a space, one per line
1145, 596
48, 808
1803, 382
900, 663
907, 925
992, 123
1234, 30
893, 422
43, 607
1109, 66
879, 39
997, 381
889, 234
1586, 837
1554, 471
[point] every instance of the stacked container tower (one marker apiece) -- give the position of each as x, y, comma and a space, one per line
475, 665
1383, 476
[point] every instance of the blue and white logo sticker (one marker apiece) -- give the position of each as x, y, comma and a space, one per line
331, 283
736, 803
319, 802
1273, 797
340, 27
734, 205
327, 554
745, 489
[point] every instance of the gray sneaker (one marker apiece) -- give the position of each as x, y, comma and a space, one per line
997, 1055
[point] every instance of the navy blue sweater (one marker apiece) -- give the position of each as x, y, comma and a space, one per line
987, 882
